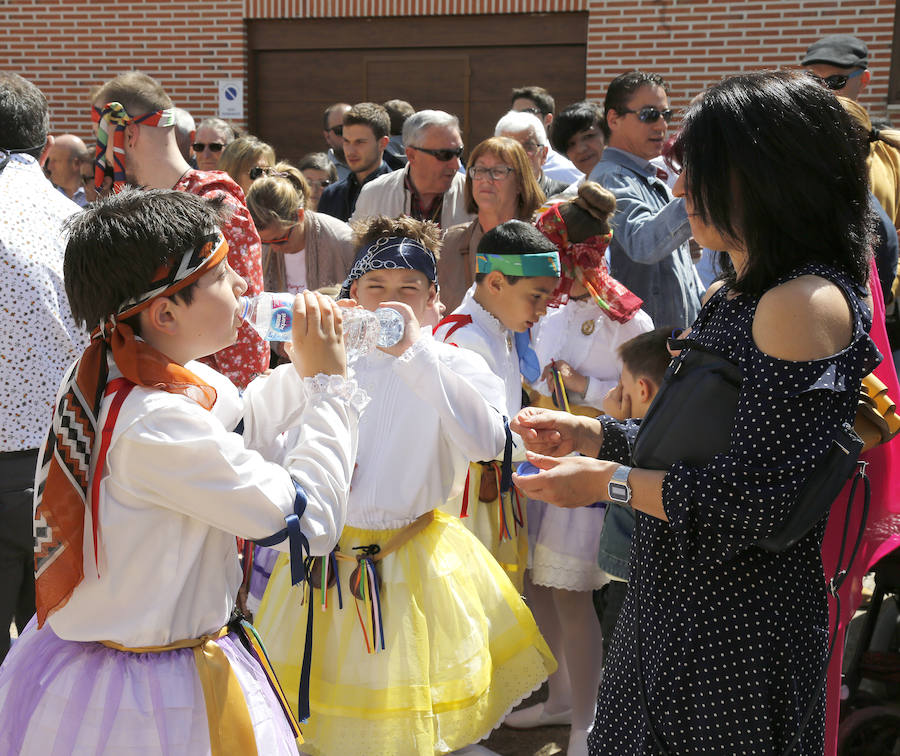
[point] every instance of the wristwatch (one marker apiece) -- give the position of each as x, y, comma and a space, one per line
618, 489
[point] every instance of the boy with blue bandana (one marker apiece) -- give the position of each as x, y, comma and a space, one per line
517, 271
421, 644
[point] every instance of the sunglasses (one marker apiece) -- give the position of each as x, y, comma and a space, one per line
649, 114
443, 155
836, 82
258, 170
336, 130
282, 239
319, 182
213, 146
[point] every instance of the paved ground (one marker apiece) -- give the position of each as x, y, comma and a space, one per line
541, 741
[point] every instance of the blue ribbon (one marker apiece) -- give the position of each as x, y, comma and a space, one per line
297, 542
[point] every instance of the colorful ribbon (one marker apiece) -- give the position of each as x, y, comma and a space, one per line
528, 265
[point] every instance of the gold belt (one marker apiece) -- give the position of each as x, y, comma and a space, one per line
230, 728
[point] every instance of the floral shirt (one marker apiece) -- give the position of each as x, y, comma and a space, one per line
249, 355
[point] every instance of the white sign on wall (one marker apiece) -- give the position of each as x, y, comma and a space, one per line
231, 98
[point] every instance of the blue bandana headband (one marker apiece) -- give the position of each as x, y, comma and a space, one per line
529, 265
392, 253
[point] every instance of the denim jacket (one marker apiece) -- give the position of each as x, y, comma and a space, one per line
615, 540
649, 251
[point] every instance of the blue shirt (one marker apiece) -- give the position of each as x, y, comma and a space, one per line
339, 199
649, 251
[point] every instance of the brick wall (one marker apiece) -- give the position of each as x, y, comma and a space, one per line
68, 46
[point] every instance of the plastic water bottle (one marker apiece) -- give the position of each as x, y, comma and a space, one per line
271, 316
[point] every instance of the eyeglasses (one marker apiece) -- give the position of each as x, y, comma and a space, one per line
444, 156
258, 170
497, 173
319, 182
336, 130
836, 82
533, 111
213, 146
649, 114
282, 239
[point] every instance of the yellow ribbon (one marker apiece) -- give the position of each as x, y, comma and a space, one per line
230, 727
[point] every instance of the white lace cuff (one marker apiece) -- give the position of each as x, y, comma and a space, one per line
337, 385
414, 349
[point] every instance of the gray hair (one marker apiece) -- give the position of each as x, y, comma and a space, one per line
416, 124
217, 124
515, 122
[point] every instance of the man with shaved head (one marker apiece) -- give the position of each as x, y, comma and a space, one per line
68, 163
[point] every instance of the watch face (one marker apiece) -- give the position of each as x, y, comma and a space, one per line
618, 491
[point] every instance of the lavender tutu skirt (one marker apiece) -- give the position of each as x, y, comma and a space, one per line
68, 697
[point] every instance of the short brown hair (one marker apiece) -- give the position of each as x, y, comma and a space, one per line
428, 234
138, 93
371, 115
646, 355
531, 196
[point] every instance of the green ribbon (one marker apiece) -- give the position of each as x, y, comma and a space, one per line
529, 265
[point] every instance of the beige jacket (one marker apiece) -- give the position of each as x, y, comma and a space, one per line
456, 265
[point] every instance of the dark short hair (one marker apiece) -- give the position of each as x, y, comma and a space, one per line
772, 159
318, 161
371, 115
115, 246
398, 111
624, 86
24, 119
646, 355
514, 237
576, 117
538, 95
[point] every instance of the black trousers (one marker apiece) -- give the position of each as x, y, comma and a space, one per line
16, 542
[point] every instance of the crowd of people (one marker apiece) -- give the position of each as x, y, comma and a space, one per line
423, 536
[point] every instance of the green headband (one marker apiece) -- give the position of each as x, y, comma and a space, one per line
526, 265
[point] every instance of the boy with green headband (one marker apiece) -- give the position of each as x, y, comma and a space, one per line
517, 271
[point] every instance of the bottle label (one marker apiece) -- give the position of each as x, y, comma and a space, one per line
281, 319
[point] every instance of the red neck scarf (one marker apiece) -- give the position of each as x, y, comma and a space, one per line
64, 479
586, 262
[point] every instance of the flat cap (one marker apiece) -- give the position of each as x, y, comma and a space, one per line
841, 50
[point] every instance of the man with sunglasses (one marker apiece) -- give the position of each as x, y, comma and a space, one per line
649, 252
366, 134
842, 62
333, 131
431, 186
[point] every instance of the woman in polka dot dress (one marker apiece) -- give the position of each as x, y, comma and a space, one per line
721, 646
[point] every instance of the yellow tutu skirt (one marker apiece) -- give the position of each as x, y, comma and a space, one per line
461, 648
496, 527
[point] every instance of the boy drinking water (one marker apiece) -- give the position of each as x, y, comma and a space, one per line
420, 643
517, 270
153, 465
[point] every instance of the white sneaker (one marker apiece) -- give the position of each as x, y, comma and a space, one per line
535, 716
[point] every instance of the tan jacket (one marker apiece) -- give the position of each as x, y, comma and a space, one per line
456, 265
329, 254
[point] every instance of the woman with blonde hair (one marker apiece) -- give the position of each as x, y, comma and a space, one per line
246, 159
500, 186
302, 249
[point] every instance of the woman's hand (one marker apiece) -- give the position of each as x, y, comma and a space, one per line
317, 343
567, 482
557, 434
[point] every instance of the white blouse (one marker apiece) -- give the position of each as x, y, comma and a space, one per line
428, 417
179, 486
582, 335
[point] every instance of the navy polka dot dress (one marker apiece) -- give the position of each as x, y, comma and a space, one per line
732, 639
